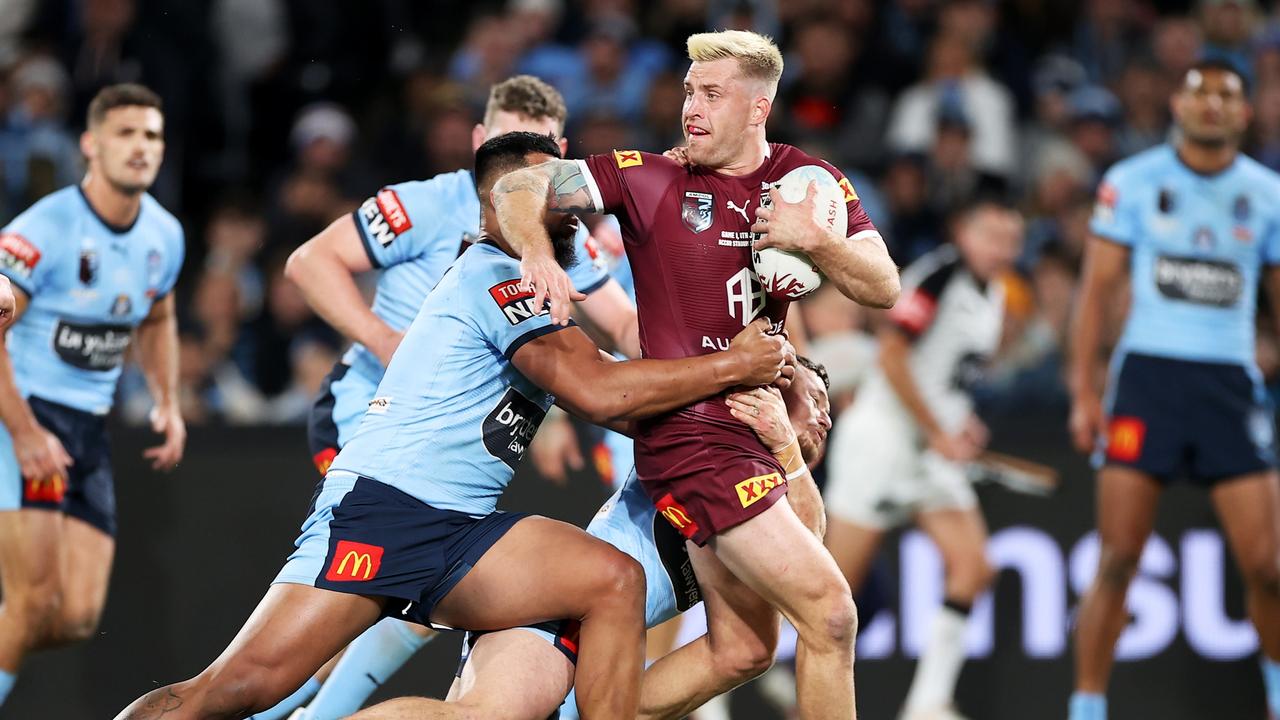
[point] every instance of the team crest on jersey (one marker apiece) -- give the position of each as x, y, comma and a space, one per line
1240, 210
516, 304
1204, 239
122, 306
627, 158
697, 210
1165, 201
18, 255
88, 265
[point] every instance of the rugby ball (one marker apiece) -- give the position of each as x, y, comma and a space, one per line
788, 275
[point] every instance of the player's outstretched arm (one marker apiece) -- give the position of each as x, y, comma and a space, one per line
859, 265
522, 199
1105, 264
324, 268
603, 391
158, 356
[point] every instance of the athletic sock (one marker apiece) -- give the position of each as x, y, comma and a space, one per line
291, 703
1271, 681
1087, 706
368, 662
935, 680
7, 679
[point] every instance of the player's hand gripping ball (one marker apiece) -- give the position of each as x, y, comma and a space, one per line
790, 274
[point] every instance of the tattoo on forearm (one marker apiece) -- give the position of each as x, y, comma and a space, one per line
156, 704
569, 187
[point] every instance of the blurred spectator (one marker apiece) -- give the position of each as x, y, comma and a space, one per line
1144, 93
830, 97
1107, 36
1175, 43
322, 184
487, 56
285, 324
911, 227
1095, 116
955, 181
955, 81
663, 126
37, 151
1265, 133
601, 133
1229, 28
612, 79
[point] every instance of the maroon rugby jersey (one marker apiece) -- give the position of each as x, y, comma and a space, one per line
688, 239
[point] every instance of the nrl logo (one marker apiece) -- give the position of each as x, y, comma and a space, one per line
696, 211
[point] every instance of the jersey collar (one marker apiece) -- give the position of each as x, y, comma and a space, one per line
117, 229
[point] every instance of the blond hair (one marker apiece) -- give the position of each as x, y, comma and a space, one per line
757, 55
528, 96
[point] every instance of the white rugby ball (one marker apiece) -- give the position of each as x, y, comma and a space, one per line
788, 275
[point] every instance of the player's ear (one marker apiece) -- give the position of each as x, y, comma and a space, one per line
478, 134
87, 146
760, 111
563, 143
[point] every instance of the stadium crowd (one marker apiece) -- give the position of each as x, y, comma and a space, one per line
310, 107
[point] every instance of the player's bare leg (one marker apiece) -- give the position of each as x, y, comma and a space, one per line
854, 549
509, 675
659, 641
742, 633
534, 573
961, 538
1126, 507
274, 653
1249, 507
54, 572
799, 577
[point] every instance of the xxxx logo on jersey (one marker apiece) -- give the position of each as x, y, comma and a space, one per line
752, 489
627, 158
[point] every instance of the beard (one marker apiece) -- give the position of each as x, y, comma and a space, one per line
564, 247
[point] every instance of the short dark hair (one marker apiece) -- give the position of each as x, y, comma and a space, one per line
818, 368
507, 152
121, 95
1219, 63
528, 96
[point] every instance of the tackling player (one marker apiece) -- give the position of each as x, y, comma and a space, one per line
1191, 224
94, 265
689, 241
423, 541
412, 231
524, 673
898, 454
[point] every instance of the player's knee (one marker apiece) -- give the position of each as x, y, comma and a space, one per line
238, 688
1116, 566
37, 613
970, 577
622, 578
834, 622
742, 660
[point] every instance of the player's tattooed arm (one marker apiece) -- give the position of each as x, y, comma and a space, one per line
560, 181
154, 705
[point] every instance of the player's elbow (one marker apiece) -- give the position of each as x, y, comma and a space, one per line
884, 292
295, 268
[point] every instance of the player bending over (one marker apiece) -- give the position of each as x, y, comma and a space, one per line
524, 673
405, 522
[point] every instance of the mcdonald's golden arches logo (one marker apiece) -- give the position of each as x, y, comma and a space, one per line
677, 515
353, 561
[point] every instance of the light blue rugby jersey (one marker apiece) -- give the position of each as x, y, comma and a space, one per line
413, 231
452, 417
1198, 243
90, 284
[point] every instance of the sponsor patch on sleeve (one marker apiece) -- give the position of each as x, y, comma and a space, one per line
627, 158
385, 217
18, 255
849, 193
516, 304
914, 311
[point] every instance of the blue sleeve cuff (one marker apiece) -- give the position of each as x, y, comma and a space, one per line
595, 285
534, 334
20, 284
365, 239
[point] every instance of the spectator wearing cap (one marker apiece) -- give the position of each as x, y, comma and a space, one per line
1053, 80
955, 181
1095, 118
37, 152
986, 105
322, 183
